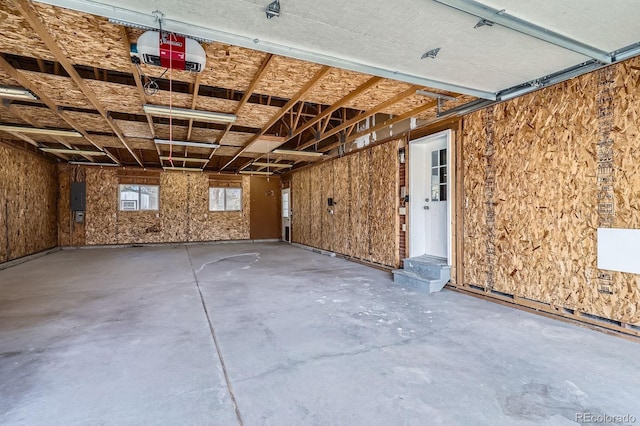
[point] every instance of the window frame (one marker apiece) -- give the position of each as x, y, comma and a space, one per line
225, 189
138, 203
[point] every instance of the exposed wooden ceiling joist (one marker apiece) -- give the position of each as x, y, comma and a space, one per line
363, 116
26, 10
20, 78
308, 86
247, 94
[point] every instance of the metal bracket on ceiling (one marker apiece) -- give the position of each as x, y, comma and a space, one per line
431, 53
441, 98
273, 9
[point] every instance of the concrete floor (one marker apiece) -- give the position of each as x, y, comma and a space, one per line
121, 337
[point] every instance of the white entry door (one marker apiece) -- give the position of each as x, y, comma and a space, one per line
286, 215
429, 196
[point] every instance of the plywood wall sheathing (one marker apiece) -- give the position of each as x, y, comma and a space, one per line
183, 215
364, 223
384, 207
70, 233
327, 214
102, 207
174, 195
28, 204
342, 208
316, 181
546, 200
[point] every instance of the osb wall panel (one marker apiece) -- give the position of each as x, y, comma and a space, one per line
342, 207
361, 221
70, 233
327, 179
300, 213
102, 206
183, 215
627, 177
364, 220
475, 213
317, 181
541, 242
174, 200
384, 187
214, 226
28, 192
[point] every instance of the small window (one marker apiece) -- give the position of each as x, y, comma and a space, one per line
225, 199
139, 197
285, 204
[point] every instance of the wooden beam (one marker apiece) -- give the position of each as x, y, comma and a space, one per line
339, 104
414, 112
303, 91
245, 98
17, 113
363, 116
27, 84
28, 13
136, 76
40, 65
386, 123
196, 89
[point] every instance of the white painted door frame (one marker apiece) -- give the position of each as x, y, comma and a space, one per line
418, 172
285, 218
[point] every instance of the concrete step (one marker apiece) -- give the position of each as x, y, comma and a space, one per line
428, 267
417, 282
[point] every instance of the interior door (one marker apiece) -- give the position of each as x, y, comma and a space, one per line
428, 199
264, 220
286, 215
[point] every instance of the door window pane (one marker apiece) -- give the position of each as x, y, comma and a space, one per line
443, 157
443, 174
435, 193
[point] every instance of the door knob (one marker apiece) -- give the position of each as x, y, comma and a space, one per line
426, 207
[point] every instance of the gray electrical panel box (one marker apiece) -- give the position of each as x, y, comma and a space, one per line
78, 196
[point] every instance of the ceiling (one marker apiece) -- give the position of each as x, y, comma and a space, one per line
304, 81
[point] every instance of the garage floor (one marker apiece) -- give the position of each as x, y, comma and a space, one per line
277, 335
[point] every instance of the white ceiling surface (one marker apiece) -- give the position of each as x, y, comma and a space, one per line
388, 38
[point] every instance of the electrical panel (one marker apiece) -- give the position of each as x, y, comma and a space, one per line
78, 196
